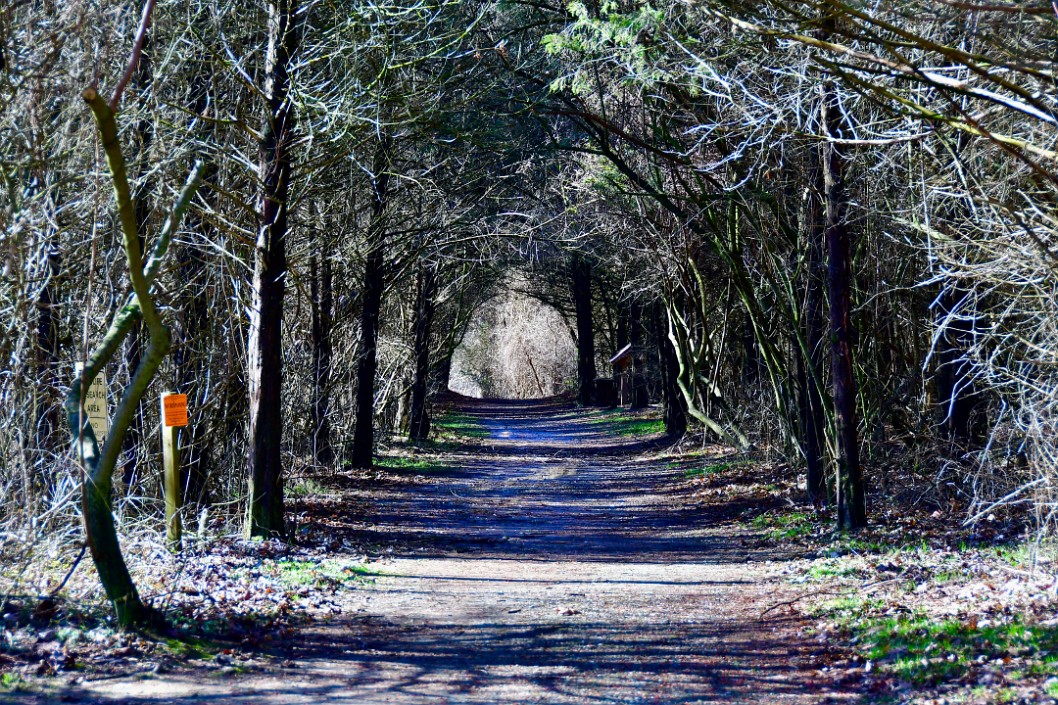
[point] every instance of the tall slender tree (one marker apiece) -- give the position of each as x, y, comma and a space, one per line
425, 307
374, 284
851, 498
580, 280
265, 343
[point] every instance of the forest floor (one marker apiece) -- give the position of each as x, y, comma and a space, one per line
538, 553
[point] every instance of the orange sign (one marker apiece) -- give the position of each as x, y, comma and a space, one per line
174, 410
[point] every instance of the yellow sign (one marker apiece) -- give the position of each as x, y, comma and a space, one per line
95, 405
174, 410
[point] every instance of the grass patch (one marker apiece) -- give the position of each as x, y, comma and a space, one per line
307, 487
715, 468
923, 651
187, 646
1017, 555
457, 424
926, 651
623, 423
832, 569
12, 682
408, 462
847, 610
778, 527
332, 572
844, 544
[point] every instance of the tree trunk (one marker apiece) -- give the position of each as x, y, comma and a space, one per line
193, 317
265, 344
374, 284
813, 414
322, 312
622, 329
851, 498
675, 403
752, 360
419, 427
443, 373
581, 284
188, 368
99, 463
47, 348
640, 393
960, 404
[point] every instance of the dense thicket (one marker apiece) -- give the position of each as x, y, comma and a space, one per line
826, 230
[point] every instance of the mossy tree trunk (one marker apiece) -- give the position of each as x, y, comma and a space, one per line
99, 463
675, 404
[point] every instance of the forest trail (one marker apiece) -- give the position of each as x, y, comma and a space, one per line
553, 564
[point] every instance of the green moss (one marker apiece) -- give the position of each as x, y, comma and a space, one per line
194, 647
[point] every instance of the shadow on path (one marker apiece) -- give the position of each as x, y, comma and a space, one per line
556, 564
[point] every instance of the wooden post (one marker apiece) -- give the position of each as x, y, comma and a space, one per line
174, 416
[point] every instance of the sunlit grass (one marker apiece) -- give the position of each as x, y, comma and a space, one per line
778, 527
626, 423
455, 424
408, 463
332, 571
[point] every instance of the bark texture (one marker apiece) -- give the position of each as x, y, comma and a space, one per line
812, 410
851, 498
99, 463
321, 283
419, 424
674, 401
374, 284
265, 344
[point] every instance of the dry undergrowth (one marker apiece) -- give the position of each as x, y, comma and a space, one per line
922, 608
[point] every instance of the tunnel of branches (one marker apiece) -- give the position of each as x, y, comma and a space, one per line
832, 251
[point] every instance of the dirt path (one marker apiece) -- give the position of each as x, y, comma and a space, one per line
553, 566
